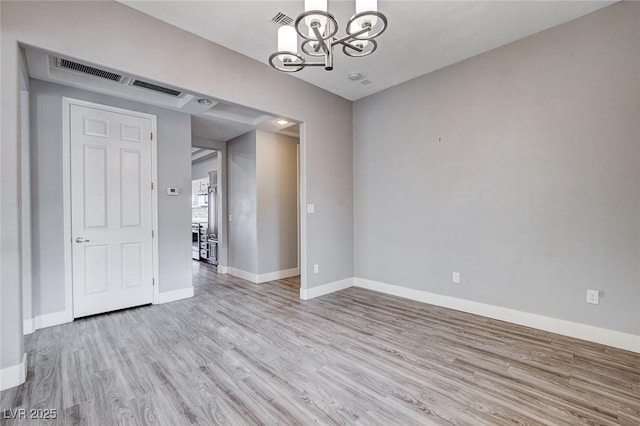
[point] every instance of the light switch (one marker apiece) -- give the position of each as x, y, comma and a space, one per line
173, 191
311, 208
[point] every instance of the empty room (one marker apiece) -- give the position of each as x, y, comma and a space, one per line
299, 212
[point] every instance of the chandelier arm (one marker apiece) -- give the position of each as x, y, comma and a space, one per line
306, 64
351, 46
321, 42
349, 37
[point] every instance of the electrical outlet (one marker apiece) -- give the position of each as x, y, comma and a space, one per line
311, 208
316, 268
593, 297
456, 278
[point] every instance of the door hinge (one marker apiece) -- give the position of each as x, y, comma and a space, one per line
153, 233
152, 186
151, 135
153, 282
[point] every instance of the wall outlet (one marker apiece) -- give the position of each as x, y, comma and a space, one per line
311, 208
593, 296
316, 268
456, 278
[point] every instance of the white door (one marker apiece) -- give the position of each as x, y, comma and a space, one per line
111, 212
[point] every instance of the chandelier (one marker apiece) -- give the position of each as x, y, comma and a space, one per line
318, 29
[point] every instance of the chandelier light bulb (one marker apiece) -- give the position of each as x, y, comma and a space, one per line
310, 5
287, 41
366, 6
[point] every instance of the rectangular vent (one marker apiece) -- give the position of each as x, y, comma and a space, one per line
156, 88
86, 69
281, 19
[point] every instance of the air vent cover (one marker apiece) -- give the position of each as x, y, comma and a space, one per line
156, 88
281, 19
86, 69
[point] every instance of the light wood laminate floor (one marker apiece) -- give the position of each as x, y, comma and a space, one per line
240, 353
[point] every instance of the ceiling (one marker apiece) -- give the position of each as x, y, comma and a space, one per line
422, 36
212, 119
199, 155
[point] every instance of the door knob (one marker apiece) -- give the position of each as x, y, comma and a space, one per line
81, 240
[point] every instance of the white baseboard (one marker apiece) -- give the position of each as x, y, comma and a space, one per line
63, 317
590, 333
49, 320
14, 375
46, 320
310, 293
28, 326
262, 278
223, 269
173, 295
242, 274
278, 275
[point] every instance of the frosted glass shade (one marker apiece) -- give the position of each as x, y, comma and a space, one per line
287, 40
366, 6
315, 5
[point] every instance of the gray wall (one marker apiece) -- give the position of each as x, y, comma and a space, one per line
518, 168
262, 196
11, 336
242, 199
174, 213
277, 202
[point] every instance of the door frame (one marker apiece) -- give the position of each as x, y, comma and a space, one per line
66, 194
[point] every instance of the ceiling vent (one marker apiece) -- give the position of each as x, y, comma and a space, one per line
156, 88
281, 19
86, 69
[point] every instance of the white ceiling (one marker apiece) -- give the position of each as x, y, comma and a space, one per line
214, 120
422, 36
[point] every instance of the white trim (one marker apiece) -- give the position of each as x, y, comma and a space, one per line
66, 206
14, 375
44, 321
173, 295
25, 210
154, 210
223, 269
66, 195
28, 326
260, 278
590, 333
278, 275
49, 320
242, 274
310, 293
302, 208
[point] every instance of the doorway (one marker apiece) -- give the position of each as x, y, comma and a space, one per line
112, 205
205, 205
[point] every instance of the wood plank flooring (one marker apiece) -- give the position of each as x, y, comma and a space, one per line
240, 353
